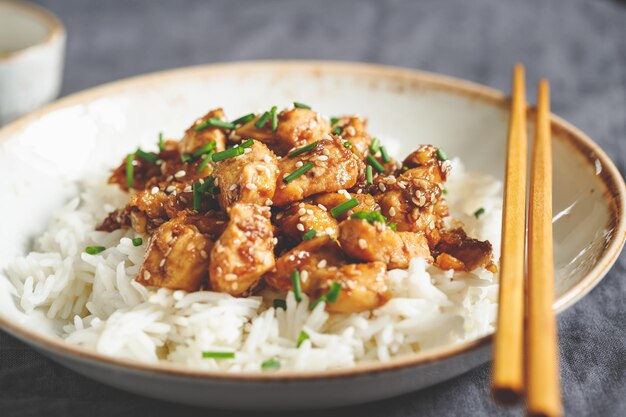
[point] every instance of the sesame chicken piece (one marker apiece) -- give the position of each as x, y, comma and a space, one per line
377, 242
195, 139
334, 168
177, 256
330, 200
473, 253
244, 252
300, 218
296, 127
248, 178
321, 263
354, 130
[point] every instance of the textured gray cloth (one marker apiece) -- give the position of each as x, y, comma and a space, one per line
579, 45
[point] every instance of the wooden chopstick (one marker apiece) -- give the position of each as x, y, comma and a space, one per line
507, 370
542, 370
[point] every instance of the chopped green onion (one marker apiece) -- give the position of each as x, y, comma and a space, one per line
441, 155
337, 130
384, 154
444, 191
302, 337
247, 143
137, 241
405, 168
243, 119
479, 212
206, 148
278, 303
333, 293
218, 355
375, 146
215, 122
207, 185
185, 157
271, 364
262, 120
274, 116
309, 235
295, 281
301, 106
161, 142
339, 209
147, 156
368, 175
197, 196
302, 150
374, 163
314, 304
347, 144
370, 216
298, 172
334, 120
130, 170
228, 153
92, 250
205, 161
393, 226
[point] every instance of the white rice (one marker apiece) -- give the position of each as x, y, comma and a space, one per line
102, 308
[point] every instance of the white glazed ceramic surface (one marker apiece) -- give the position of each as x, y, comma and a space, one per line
42, 154
32, 46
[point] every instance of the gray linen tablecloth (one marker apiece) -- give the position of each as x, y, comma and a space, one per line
579, 45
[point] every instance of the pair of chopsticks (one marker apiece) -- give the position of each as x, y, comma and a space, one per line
525, 357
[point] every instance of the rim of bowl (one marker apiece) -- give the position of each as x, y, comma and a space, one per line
55, 26
615, 193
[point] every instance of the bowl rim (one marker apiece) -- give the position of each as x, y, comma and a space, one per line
609, 176
56, 29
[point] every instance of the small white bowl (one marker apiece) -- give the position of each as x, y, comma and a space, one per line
32, 48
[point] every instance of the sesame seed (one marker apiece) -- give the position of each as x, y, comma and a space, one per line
251, 186
322, 158
392, 211
162, 262
230, 277
322, 263
382, 187
299, 164
180, 174
232, 187
154, 190
216, 182
326, 151
301, 211
187, 189
268, 202
169, 178
362, 244
329, 230
146, 275
204, 254
304, 276
323, 207
350, 130
267, 158
300, 227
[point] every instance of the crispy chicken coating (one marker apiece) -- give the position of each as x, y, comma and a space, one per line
472, 253
300, 218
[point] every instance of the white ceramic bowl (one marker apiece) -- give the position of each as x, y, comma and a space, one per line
42, 153
32, 47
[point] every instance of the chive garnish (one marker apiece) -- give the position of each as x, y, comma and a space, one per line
262, 120
215, 122
247, 143
278, 303
368, 175
444, 191
243, 119
334, 121
206, 148
205, 161
298, 172
339, 209
441, 155
207, 186
370, 216
384, 154
302, 337
333, 292
295, 281
137, 241
274, 116
197, 196
185, 157
309, 235
405, 168
347, 144
304, 149
337, 130
479, 212
393, 226
301, 105
375, 146
161, 142
218, 355
374, 163
271, 364
147, 156
92, 250
130, 170
228, 153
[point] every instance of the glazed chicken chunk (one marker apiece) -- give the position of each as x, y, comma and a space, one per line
375, 241
301, 218
354, 130
197, 135
244, 251
248, 178
332, 167
457, 251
